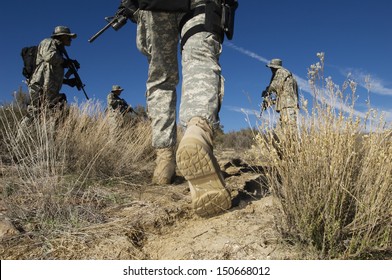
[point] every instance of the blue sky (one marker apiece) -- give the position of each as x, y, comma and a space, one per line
354, 35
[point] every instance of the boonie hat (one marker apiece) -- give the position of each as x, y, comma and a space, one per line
63, 30
275, 63
116, 88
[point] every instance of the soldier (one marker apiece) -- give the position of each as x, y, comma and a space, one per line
117, 109
116, 104
158, 29
48, 77
285, 87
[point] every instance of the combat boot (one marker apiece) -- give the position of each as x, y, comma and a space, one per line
164, 170
197, 163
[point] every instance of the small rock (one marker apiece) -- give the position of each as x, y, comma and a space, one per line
6, 227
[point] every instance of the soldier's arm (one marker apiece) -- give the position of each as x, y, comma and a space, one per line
277, 82
124, 103
113, 102
50, 53
274, 85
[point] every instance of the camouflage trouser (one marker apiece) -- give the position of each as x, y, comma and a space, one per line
157, 38
42, 104
114, 123
50, 100
288, 120
203, 84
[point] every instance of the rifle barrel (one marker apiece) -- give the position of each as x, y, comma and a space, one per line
85, 93
96, 35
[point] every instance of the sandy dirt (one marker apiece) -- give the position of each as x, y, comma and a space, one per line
157, 222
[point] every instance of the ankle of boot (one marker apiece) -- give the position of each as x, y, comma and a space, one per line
199, 128
165, 166
165, 153
202, 123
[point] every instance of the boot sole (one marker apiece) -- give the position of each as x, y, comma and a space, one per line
200, 168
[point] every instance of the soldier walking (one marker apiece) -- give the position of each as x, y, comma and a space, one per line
285, 87
48, 77
198, 22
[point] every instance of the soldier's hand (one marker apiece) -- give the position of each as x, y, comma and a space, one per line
127, 9
71, 82
67, 63
76, 63
264, 105
264, 93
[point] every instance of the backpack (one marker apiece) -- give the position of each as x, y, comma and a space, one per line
29, 56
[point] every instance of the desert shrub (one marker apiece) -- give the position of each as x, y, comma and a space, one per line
239, 140
94, 148
333, 180
58, 158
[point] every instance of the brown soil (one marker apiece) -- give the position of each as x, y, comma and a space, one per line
160, 224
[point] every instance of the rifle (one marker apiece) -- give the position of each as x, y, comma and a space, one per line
131, 110
267, 101
73, 70
117, 21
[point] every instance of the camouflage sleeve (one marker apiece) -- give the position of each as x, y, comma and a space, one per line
123, 105
276, 83
123, 102
112, 102
116, 103
50, 53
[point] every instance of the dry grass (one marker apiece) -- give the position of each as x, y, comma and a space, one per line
55, 163
334, 182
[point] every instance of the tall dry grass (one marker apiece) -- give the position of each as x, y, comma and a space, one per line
334, 181
56, 161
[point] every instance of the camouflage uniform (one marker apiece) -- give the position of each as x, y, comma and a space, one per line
116, 104
202, 92
202, 88
286, 89
116, 108
48, 76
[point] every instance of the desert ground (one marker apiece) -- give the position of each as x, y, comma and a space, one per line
157, 222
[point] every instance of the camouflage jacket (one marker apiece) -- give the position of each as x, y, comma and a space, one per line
286, 89
49, 73
116, 103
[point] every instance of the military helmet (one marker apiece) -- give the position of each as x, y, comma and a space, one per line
63, 30
116, 88
275, 63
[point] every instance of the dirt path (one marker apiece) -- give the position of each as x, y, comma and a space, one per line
249, 230
249, 233
157, 222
